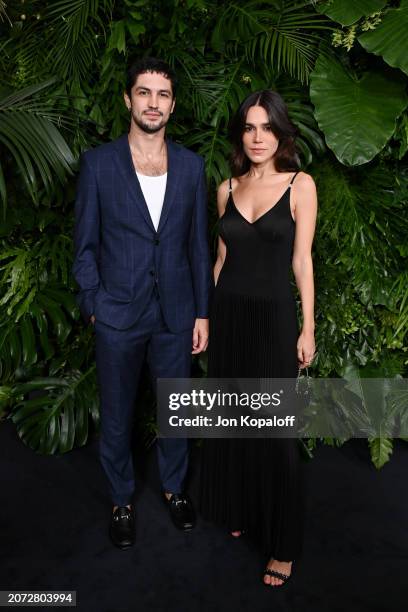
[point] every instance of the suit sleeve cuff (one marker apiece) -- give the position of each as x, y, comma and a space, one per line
86, 303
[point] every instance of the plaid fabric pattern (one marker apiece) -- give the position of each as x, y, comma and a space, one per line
120, 258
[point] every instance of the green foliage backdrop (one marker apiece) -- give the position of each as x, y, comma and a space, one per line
340, 66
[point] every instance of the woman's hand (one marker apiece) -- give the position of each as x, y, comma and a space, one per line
306, 348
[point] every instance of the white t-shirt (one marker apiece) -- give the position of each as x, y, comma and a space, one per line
153, 188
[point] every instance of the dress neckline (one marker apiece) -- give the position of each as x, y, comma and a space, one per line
263, 214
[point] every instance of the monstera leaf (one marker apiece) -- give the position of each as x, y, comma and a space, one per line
356, 115
53, 414
389, 39
347, 12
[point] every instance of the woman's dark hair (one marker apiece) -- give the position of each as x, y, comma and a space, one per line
149, 64
286, 157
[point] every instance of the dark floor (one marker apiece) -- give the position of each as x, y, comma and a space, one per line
53, 529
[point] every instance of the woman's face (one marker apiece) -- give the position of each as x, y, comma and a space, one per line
259, 142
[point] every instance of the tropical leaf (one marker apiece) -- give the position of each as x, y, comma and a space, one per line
74, 59
389, 39
400, 290
357, 116
333, 410
347, 12
117, 39
29, 354
364, 402
10, 353
220, 91
28, 132
363, 216
45, 325
3, 12
74, 21
309, 141
399, 406
39, 307
56, 314
380, 450
75, 14
55, 416
286, 37
208, 140
25, 270
69, 27
203, 83
6, 396
216, 151
374, 388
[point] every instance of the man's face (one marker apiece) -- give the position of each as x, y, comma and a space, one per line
151, 102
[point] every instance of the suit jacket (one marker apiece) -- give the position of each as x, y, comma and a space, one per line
119, 256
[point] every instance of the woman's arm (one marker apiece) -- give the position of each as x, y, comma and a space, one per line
222, 197
305, 201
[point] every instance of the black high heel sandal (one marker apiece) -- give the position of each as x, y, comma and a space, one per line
275, 574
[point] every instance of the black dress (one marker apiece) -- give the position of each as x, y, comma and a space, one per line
255, 484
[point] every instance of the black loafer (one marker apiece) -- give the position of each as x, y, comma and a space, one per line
122, 527
181, 511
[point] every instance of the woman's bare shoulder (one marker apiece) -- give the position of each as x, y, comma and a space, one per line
223, 187
304, 181
304, 194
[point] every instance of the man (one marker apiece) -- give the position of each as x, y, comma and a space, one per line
143, 267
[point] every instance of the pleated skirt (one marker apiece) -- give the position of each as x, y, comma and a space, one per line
254, 485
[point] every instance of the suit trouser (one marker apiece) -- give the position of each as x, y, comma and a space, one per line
119, 358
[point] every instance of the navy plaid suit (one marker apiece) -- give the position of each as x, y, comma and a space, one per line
145, 289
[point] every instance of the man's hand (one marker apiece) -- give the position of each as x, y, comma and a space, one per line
92, 319
200, 336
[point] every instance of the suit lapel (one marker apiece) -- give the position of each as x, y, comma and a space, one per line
173, 177
126, 167
125, 164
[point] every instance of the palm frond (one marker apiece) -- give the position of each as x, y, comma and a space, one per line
201, 81
215, 150
28, 132
74, 44
287, 39
3, 12
72, 30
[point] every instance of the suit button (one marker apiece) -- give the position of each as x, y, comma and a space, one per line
157, 242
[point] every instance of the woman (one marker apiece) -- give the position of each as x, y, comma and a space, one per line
267, 222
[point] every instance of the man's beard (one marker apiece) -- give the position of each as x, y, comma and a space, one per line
146, 127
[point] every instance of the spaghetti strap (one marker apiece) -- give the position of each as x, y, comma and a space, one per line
293, 178
230, 185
